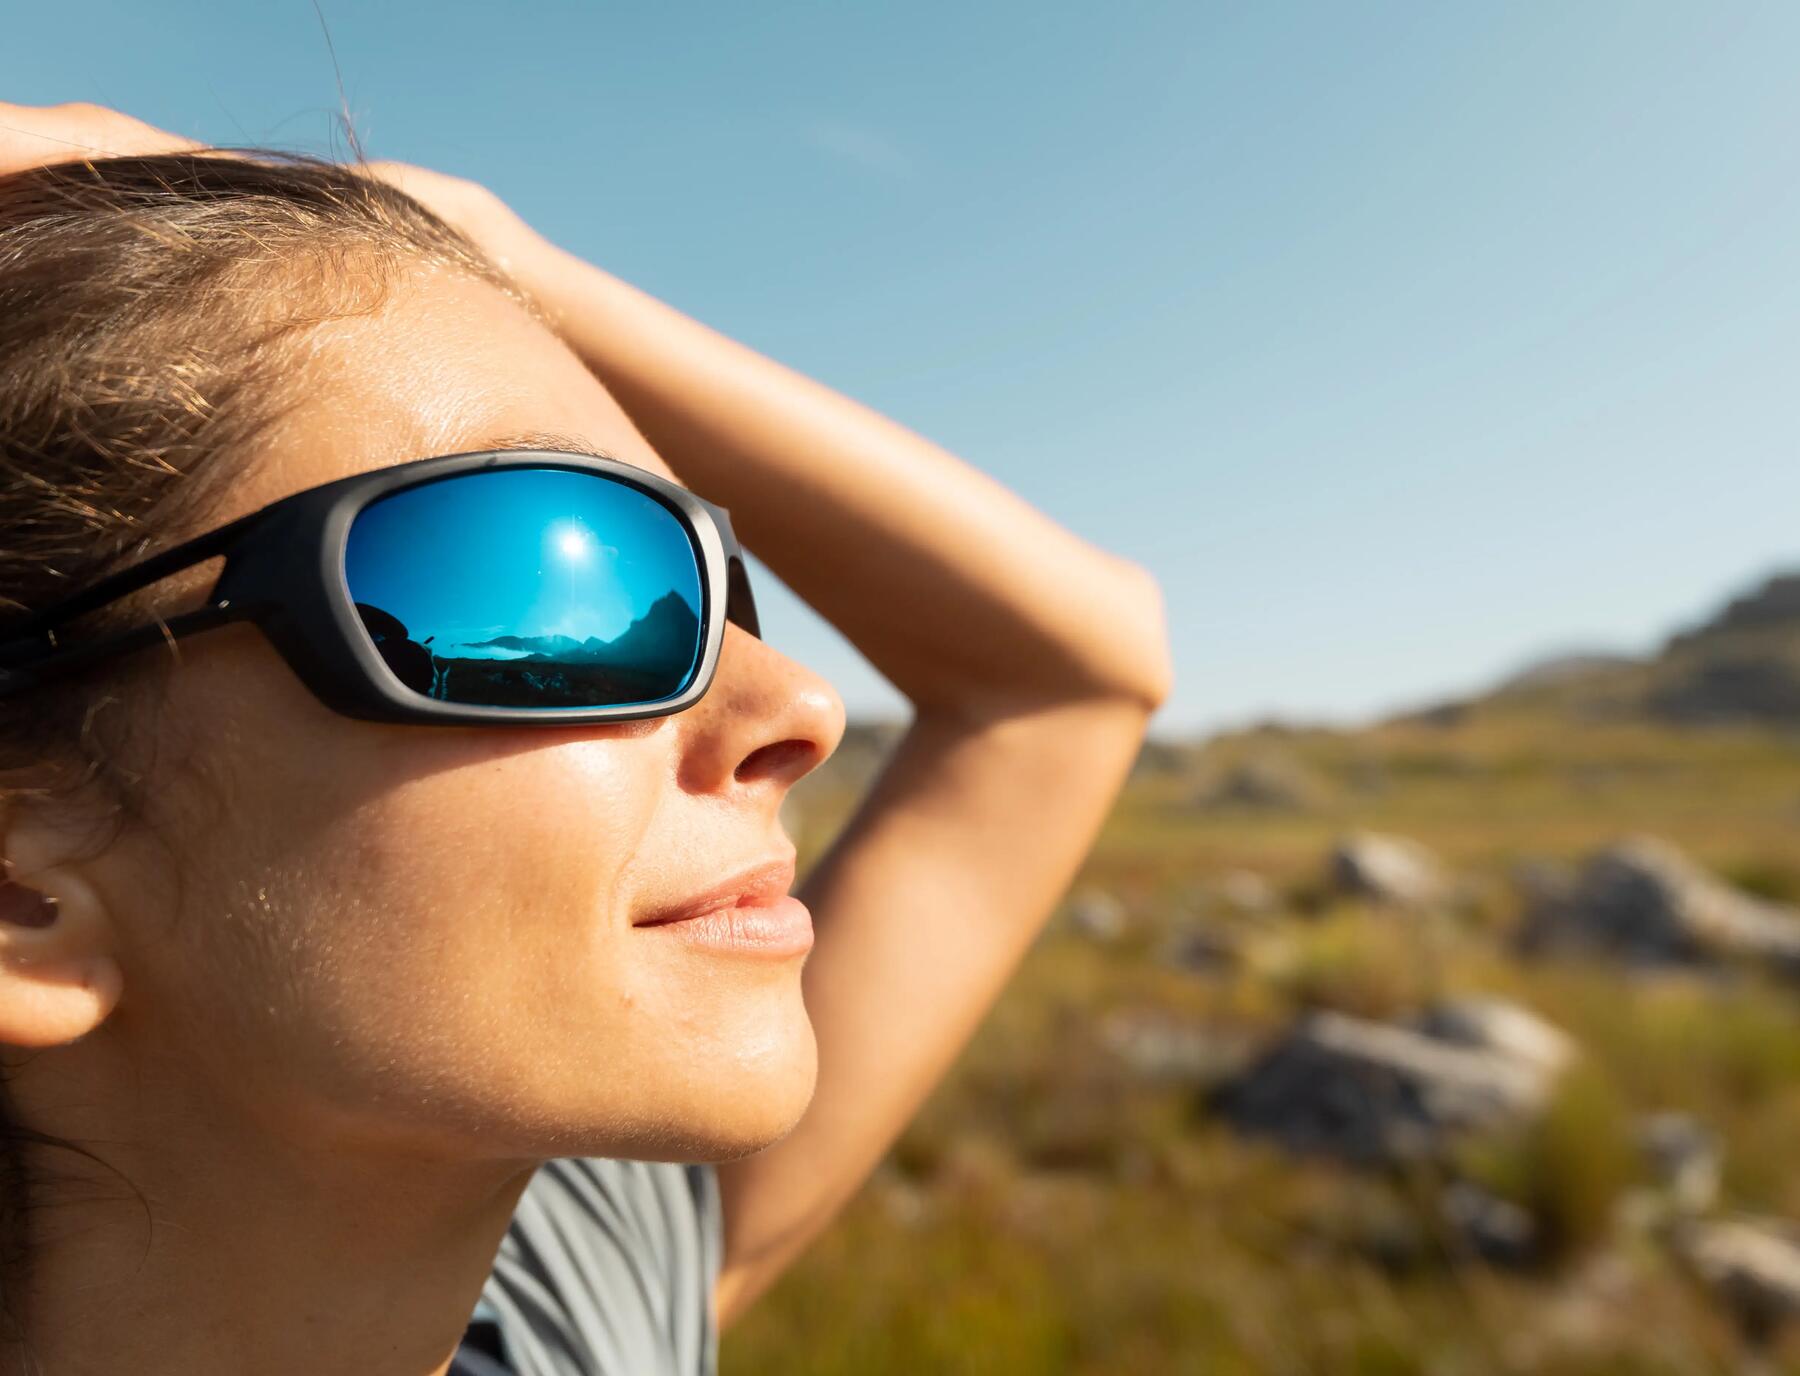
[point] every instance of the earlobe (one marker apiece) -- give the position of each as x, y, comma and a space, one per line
58, 977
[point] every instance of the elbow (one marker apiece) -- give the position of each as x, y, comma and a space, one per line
1147, 660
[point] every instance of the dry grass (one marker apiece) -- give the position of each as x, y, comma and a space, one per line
1047, 1212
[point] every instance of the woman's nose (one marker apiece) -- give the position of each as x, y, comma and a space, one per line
765, 722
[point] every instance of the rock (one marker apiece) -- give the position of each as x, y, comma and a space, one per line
1498, 1026
1159, 1048
1097, 914
1494, 1229
907, 1203
1203, 949
1387, 869
1247, 892
1644, 902
1686, 1158
1380, 1093
1752, 1264
1269, 781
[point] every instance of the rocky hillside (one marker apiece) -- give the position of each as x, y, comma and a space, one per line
1742, 665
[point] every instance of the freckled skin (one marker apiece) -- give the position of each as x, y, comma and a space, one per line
428, 929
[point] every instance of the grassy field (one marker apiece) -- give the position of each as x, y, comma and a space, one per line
1050, 1210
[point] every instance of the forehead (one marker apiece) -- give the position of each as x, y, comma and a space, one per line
448, 365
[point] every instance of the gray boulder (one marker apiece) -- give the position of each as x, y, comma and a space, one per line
1752, 1264
1247, 892
1383, 1093
1158, 1048
1494, 1229
1686, 1159
1098, 915
1204, 949
1387, 869
1644, 902
1501, 1027
1271, 782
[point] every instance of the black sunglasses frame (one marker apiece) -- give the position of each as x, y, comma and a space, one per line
284, 572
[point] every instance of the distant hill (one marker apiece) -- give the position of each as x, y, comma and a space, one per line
1740, 665
665, 633
1557, 670
1774, 607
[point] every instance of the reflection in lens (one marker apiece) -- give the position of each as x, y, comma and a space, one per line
528, 587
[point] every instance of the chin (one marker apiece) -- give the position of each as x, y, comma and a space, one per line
758, 1104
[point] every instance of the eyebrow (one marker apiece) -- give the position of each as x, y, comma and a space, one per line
548, 439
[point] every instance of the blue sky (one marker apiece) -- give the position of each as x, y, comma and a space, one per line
1403, 341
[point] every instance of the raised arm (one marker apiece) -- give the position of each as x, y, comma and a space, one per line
1033, 661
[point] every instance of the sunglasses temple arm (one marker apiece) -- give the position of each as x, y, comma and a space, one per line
31, 653
78, 657
740, 602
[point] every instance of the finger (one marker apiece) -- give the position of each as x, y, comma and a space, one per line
35, 136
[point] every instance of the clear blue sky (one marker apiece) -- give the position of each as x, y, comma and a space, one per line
1403, 341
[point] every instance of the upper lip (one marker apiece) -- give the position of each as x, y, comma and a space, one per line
758, 886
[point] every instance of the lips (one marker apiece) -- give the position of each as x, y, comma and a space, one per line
760, 886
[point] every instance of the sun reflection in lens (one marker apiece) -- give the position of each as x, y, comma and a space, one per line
573, 543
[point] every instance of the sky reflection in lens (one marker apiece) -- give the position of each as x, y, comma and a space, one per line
528, 587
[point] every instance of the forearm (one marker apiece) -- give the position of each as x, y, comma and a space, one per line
962, 594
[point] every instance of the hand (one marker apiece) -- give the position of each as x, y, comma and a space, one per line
35, 136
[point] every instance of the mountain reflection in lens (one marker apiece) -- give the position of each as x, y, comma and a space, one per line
528, 587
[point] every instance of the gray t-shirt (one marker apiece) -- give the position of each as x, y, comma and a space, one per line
607, 1270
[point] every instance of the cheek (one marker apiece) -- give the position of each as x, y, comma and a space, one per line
429, 933
410, 917
471, 905
490, 968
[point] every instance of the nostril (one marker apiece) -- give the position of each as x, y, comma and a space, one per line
790, 758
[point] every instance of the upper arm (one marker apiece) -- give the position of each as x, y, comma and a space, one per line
923, 907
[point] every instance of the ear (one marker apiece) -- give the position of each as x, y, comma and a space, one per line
59, 978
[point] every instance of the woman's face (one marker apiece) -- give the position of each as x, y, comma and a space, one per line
421, 936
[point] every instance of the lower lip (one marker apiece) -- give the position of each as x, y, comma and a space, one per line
780, 929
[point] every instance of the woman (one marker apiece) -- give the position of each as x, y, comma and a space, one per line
301, 986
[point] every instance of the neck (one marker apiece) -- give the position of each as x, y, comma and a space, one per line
238, 1249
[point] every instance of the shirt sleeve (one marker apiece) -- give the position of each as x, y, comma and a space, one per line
608, 1269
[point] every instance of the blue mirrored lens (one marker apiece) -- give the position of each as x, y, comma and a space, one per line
528, 587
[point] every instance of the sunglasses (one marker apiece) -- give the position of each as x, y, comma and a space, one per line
523, 587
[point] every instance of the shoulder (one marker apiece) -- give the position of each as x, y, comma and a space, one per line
609, 1265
